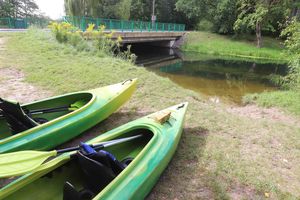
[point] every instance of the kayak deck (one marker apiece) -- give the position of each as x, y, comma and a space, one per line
50, 186
77, 99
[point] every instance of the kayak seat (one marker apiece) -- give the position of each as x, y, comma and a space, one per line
99, 169
15, 117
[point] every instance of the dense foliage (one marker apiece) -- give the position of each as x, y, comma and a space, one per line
18, 8
292, 33
220, 16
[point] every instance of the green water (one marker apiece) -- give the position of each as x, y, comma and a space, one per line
218, 79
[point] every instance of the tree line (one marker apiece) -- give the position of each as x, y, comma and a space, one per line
220, 16
19, 8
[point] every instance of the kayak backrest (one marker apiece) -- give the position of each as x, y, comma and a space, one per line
99, 169
15, 116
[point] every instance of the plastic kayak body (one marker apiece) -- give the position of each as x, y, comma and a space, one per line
95, 106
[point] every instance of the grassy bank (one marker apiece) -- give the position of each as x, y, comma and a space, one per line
221, 155
287, 100
209, 43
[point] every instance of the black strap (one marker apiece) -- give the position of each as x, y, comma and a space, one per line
15, 116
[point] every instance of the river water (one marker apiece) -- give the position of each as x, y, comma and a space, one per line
218, 79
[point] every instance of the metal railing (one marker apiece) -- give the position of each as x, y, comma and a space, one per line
123, 25
22, 23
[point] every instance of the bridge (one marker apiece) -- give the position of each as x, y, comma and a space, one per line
156, 34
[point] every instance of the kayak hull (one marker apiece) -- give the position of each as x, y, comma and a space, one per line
137, 179
103, 102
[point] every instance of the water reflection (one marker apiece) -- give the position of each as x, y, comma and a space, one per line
218, 79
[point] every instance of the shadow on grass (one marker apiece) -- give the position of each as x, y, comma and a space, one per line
115, 120
180, 180
187, 175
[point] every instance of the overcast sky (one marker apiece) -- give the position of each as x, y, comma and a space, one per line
52, 8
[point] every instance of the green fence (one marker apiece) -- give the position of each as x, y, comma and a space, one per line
22, 23
123, 25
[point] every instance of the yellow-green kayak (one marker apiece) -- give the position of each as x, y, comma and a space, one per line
129, 170
44, 124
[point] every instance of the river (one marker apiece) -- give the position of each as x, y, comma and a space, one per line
217, 78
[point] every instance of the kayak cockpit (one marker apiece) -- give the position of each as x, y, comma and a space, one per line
83, 176
15, 118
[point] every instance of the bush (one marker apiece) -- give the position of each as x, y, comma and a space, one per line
90, 40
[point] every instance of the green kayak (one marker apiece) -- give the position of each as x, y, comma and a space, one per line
45, 124
126, 170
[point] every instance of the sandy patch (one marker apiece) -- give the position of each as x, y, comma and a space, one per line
12, 86
273, 114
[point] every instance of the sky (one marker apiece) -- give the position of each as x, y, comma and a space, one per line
52, 8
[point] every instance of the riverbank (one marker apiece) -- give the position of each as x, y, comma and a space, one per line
215, 44
222, 154
286, 100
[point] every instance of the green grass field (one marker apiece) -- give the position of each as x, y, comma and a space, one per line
209, 43
221, 155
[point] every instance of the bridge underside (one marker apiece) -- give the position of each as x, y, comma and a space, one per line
162, 39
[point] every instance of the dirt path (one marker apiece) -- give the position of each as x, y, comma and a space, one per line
13, 86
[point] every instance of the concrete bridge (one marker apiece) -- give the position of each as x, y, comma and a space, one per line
162, 39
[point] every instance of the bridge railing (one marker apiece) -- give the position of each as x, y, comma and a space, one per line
123, 25
22, 23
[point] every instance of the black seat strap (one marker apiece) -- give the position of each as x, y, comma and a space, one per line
15, 116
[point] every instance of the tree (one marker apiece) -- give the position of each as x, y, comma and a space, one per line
28, 8
123, 9
18, 8
221, 13
224, 16
141, 10
260, 15
295, 11
92, 8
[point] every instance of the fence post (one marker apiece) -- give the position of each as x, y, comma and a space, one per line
82, 24
26, 22
132, 26
9, 23
122, 25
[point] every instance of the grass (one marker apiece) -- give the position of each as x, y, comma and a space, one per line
209, 43
287, 100
220, 156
